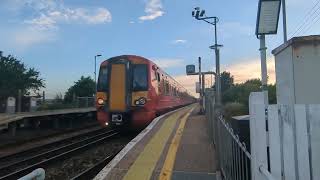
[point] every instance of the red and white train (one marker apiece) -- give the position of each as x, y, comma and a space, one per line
132, 91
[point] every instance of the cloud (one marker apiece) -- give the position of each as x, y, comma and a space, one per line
45, 17
132, 22
169, 62
51, 18
153, 10
179, 41
249, 69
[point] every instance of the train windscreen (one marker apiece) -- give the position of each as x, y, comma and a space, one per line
103, 79
140, 77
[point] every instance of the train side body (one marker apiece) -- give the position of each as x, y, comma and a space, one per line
132, 91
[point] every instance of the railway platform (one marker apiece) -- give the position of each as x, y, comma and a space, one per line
8, 118
12, 121
174, 146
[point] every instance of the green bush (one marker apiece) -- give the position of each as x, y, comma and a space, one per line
54, 106
234, 109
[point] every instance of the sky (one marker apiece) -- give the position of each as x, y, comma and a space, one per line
61, 37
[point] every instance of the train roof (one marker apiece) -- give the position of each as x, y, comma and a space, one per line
148, 61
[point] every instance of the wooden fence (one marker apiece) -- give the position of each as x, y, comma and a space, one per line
285, 139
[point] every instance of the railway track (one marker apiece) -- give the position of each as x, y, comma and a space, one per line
94, 170
40, 138
24, 162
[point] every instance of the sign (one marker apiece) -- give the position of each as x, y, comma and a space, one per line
11, 102
198, 88
190, 69
268, 17
33, 102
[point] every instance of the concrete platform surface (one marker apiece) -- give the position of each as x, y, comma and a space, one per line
174, 146
7, 118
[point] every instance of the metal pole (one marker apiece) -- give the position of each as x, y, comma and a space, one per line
284, 16
218, 89
203, 84
203, 87
217, 53
200, 84
43, 97
200, 74
215, 31
19, 100
95, 72
264, 74
218, 83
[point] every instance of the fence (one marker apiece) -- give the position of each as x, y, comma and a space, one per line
289, 143
31, 104
233, 157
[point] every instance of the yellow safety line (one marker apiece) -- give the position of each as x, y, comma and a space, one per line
144, 165
167, 168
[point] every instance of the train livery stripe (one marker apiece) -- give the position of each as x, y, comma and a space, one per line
117, 100
167, 168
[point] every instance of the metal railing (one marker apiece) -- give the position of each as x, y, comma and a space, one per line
234, 157
234, 160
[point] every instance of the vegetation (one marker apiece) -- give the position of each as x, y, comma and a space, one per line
84, 87
235, 97
14, 75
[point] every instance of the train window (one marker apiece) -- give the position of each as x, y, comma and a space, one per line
154, 76
103, 79
140, 77
166, 88
158, 76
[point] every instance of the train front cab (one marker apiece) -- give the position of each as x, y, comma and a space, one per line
123, 93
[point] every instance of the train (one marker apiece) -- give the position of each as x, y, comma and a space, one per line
133, 90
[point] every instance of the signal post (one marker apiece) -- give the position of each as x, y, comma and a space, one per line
190, 70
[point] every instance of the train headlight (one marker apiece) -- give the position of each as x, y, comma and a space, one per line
100, 101
141, 101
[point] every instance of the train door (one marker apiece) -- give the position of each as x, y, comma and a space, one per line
118, 88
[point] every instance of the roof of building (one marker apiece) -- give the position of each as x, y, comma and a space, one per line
296, 41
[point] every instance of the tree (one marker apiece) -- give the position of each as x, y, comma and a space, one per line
84, 87
226, 81
14, 75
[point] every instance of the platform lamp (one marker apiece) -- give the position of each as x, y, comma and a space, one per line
213, 20
267, 23
95, 70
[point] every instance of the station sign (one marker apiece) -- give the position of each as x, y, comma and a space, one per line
190, 69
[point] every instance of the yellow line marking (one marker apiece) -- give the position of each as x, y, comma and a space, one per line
167, 168
144, 165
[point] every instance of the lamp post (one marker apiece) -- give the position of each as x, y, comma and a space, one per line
284, 21
267, 23
95, 69
200, 15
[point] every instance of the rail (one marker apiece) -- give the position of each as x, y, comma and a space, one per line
26, 165
234, 160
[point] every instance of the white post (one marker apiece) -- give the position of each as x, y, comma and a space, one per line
258, 135
314, 138
11, 105
33, 104
275, 142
